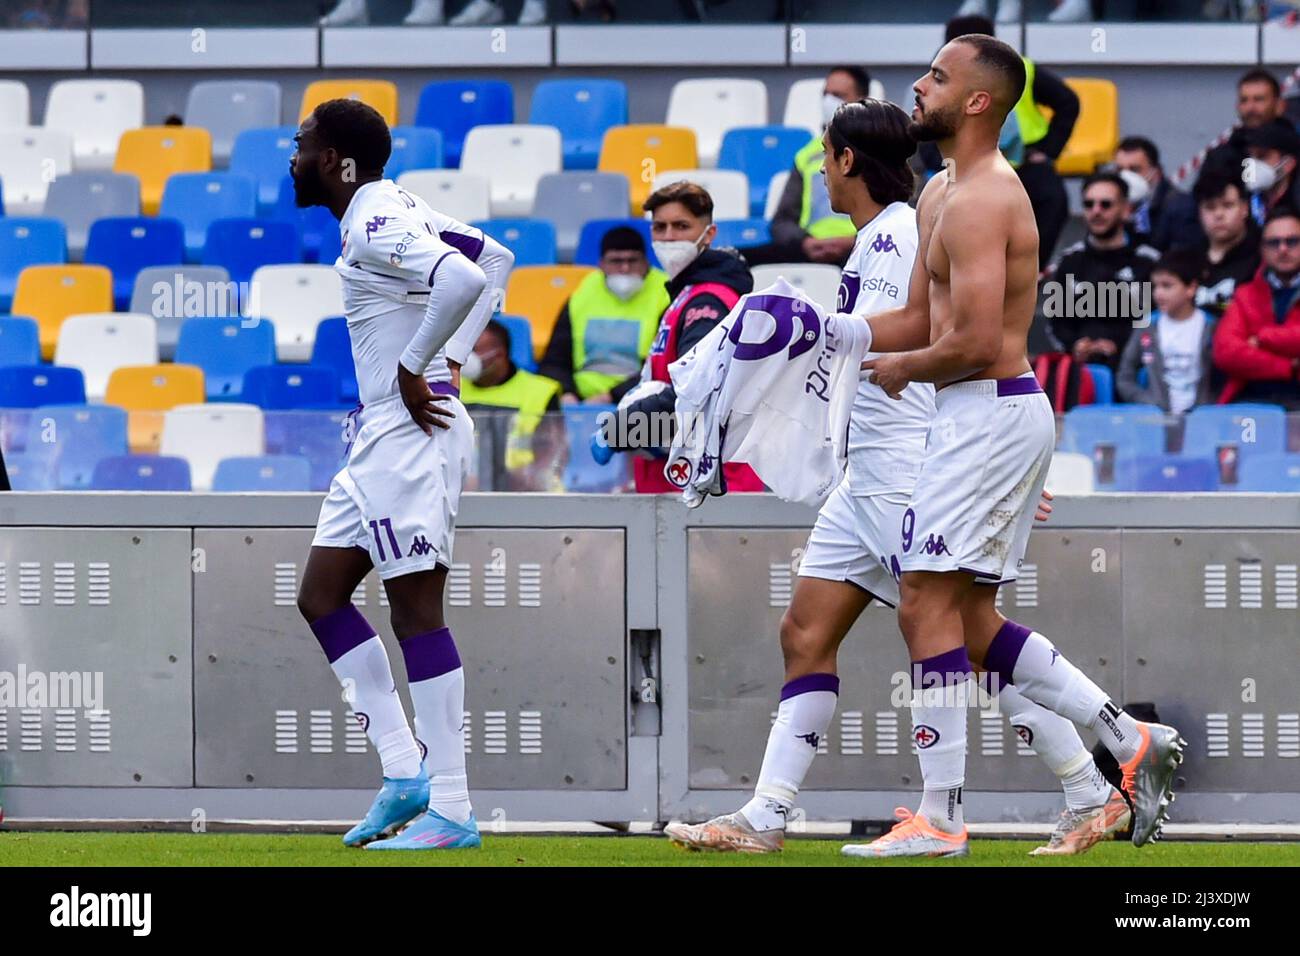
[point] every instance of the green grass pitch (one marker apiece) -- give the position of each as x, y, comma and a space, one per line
267, 849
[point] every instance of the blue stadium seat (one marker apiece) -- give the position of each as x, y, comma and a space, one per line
128, 244
287, 387
73, 438
244, 245
30, 386
20, 341
454, 107
531, 240
141, 473
583, 473
320, 437
1104, 381
333, 349
1114, 432
414, 147
582, 110
263, 473
588, 251
317, 227
198, 199
1270, 473
741, 233
27, 242
760, 152
1167, 473
262, 154
521, 341
1249, 428
225, 349
30, 472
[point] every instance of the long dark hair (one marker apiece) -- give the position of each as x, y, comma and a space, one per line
878, 133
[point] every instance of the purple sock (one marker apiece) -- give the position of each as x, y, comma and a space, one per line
1004, 650
810, 682
430, 655
340, 631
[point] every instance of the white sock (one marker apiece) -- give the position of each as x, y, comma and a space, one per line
802, 719
1055, 740
939, 700
437, 683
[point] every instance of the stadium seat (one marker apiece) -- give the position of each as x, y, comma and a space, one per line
1276, 474
329, 247
141, 473
414, 147
521, 341
593, 231
760, 152
742, 233
78, 199
29, 472
290, 387
531, 240
454, 107
1103, 380
818, 281
538, 293
803, 104
20, 341
1070, 473
461, 195
225, 348
154, 388
381, 94
582, 110
196, 200
1167, 473
728, 188
627, 150
295, 299
1096, 132
27, 242
205, 434
582, 473
49, 294
1251, 429
712, 106
29, 159
242, 246
73, 438
317, 228
95, 113
333, 350
1112, 435
568, 200
97, 343
30, 386
15, 105
774, 190
225, 108
263, 156
172, 294
513, 158
156, 153
320, 437
125, 245
263, 473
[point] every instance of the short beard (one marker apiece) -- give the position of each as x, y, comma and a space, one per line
308, 189
1110, 233
935, 125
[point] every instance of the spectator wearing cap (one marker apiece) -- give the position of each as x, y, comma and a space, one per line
1269, 171
1230, 252
1257, 342
605, 330
1162, 215
1259, 104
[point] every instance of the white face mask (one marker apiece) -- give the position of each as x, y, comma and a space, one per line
1258, 175
675, 256
829, 105
624, 284
472, 368
1138, 188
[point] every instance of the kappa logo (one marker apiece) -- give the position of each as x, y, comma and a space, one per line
374, 225
679, 472
419, 546
363, 719
935, 544
925, 736
1024, 733
811, 739
885, 243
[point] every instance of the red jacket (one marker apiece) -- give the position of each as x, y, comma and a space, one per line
1250, 315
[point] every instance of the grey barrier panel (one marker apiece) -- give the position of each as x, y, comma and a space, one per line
89, 610
1213, 631
539, 618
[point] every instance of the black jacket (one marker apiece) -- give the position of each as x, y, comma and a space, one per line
1219, 280
1174, 221
1131, 262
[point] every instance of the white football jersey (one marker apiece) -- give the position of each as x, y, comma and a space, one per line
886, 437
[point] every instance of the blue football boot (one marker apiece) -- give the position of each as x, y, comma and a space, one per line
398, 801
433, 831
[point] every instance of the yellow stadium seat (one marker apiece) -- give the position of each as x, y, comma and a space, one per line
641, 152
152, 153
49, 294
155, 388
1096, 134
144, 431
381, 94
538, 293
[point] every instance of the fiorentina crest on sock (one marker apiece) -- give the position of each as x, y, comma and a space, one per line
925, 736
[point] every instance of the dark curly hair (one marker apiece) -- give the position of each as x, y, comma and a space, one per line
879, 134
355, 130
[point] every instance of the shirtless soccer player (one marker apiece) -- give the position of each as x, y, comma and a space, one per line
963, 327
418, 288
853, 552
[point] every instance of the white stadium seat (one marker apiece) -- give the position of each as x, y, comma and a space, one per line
1070, 474
803, 104
15, 105
774, 189
819, 282
205, 434
95, 113
30, 158
728, 187
295, 298
710, 107
513, 158
99, 342
452, 192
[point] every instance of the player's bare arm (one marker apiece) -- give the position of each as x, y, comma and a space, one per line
908, 326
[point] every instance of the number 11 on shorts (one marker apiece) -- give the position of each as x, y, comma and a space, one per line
392, 538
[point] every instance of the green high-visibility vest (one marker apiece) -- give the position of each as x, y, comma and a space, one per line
1032, 122
816, 217
593, 300
527, 394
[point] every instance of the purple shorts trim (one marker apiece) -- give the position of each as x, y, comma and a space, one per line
1004, 650
809, 683
430, 655
340, 631
444, 388
1020, 385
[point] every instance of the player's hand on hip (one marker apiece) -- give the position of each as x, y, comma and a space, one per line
1044, 510
889, 372
430, 411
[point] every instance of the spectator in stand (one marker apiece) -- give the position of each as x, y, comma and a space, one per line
605, 330
1230, 252
804, 228
1169, 363
427, 13
1257, 343
1269, 171
1162, 216
1259, 104
1108, 254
